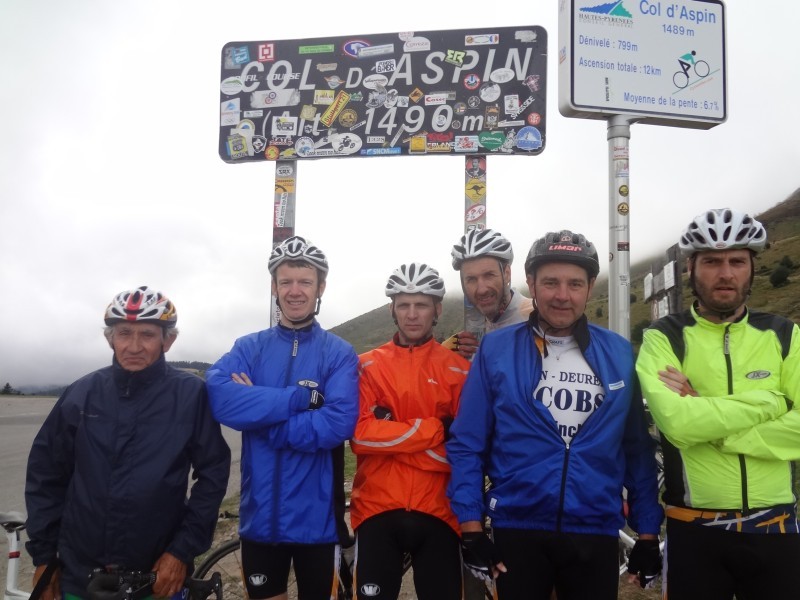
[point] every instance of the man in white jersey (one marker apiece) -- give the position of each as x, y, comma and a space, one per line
484, 257
551, 413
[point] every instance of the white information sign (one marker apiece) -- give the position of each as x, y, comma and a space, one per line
664, 61
669, 275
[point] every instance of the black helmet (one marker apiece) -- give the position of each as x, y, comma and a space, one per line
563, 246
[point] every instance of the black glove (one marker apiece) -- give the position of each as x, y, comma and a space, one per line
317, 400
382, 414
645, 561
446, 422
479, 554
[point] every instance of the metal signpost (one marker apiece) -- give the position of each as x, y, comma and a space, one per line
639, 61
477, 92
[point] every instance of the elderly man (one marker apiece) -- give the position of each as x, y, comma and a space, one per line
108, 471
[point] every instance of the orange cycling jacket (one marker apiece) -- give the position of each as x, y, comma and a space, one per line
401, 463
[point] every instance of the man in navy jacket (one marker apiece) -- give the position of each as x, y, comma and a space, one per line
108, 471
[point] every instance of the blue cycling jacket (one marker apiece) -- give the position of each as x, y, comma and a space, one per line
289, 481
538, 481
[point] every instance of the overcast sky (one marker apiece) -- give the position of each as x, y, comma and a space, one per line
110, 176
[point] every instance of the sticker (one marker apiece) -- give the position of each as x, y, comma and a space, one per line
342, 98
622, 208
534, 119
489, 92
491, 117
476, 167
372, 82
273, 98
475, 213
475, 190
231, 86
532, 81
347, 118
491, 140
529, 138
502, 75
623, 246
418, 144
472, 81
623, 191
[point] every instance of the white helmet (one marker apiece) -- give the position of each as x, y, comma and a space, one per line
415, 278
298, 248
723, 229
480, 243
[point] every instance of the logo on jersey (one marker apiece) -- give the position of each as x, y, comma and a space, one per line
758, 374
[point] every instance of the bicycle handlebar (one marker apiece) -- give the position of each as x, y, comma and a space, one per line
136, 585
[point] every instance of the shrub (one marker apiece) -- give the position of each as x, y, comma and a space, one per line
780, 276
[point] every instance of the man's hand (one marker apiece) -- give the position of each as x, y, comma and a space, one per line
677, 381
170, 576
242, 379
463, 342
480, 556
53, 589
644, 563
317, 400
382, 414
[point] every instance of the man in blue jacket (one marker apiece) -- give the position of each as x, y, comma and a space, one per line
551, 413
292, 390
108, 471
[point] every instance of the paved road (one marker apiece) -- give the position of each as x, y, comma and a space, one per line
20, 420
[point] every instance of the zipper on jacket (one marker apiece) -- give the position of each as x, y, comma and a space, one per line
726, 350
279, 453
561, 492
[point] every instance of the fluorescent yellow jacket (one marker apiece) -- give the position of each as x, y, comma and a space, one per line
731, 447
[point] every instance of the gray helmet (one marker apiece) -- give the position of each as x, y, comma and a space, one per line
563, 246
480, 243
415, 278
298, 248
723, 229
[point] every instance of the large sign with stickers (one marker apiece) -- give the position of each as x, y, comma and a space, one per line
476, 91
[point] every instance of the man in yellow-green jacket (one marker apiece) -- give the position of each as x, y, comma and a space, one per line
721, 382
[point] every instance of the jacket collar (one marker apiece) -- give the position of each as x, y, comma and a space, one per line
580, 331
135, 379
426, 342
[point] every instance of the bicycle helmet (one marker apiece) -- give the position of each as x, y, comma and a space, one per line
142, 305
479, 243
563, 246
415, 278
298, 248
723, 229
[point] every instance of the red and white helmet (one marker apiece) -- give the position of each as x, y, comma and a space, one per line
142, 305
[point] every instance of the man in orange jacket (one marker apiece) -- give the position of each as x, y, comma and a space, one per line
409, 390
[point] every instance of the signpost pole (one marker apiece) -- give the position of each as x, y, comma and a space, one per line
283, 216
475, 192
619, 302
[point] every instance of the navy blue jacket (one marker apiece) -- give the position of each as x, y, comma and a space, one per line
108, 473
538, 481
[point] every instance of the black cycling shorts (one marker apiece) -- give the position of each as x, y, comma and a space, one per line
432, 547
266, 569
577, 566
710, 563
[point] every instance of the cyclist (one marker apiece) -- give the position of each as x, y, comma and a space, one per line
721, 382
551, 413
484, 257
108, 471
409, 390
292, 390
